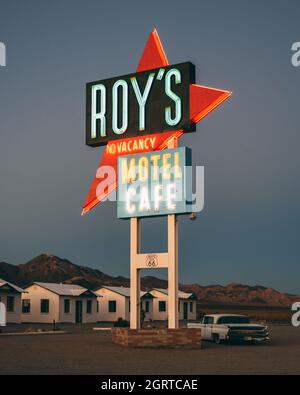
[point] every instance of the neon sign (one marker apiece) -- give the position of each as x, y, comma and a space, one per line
152, 101
160, 100
154, 183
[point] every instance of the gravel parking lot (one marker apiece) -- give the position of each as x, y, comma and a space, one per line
83, 351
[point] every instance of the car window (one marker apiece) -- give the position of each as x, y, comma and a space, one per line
208, 320
233, 320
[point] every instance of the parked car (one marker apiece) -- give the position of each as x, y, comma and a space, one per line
231, 327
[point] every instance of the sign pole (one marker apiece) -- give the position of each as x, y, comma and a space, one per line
172, 272
135, 273
173, 263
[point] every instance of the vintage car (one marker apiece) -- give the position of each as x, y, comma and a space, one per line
231, 327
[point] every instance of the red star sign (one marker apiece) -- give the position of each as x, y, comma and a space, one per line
203, 100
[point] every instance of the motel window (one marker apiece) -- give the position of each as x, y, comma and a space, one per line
191, 307
97, 306
112, 306
44, 306
162, 306
178, 306
147, 306
10, 304
26, 306
89, 307
67, 306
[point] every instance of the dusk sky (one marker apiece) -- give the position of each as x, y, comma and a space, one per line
248, 231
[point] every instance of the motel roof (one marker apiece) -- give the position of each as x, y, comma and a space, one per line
64, 289
181, 294
3, 283
124, 291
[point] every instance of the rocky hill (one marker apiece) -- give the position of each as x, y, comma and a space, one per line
50, 268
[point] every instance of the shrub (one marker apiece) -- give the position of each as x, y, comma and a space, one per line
121, 323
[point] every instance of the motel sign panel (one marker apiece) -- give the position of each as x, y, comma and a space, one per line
154, 183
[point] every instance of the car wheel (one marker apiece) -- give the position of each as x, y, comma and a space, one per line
216, 338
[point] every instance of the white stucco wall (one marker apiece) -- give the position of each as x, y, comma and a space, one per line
15, 316
149, 315
56, 307
191, 315
163, 316
71, 316
35, 293
159, 315
122, 307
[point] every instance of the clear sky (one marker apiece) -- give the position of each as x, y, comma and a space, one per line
249, 229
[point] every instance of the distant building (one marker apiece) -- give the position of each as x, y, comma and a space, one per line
64, 303
186, 305
10, 296
114, 303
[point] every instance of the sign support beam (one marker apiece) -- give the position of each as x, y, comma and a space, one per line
173, 272
171, 263
135, 273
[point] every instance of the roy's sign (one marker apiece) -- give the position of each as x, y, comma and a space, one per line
154, 183
151, 101
142, 112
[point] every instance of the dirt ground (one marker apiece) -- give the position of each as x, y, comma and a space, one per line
83, 351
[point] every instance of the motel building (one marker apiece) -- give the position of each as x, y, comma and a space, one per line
114, 303
62, 303
186, 305
10, 297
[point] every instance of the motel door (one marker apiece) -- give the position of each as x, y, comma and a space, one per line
185, 310
78, 312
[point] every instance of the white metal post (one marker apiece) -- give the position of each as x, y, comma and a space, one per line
167, 260
135, 273
173, 263
172, 272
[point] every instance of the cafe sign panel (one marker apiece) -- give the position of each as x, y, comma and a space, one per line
154, 183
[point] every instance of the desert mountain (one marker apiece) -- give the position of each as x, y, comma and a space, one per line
50, 268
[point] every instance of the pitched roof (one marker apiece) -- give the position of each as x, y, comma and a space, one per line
181, 294
124, 291
3, 282
64, 289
